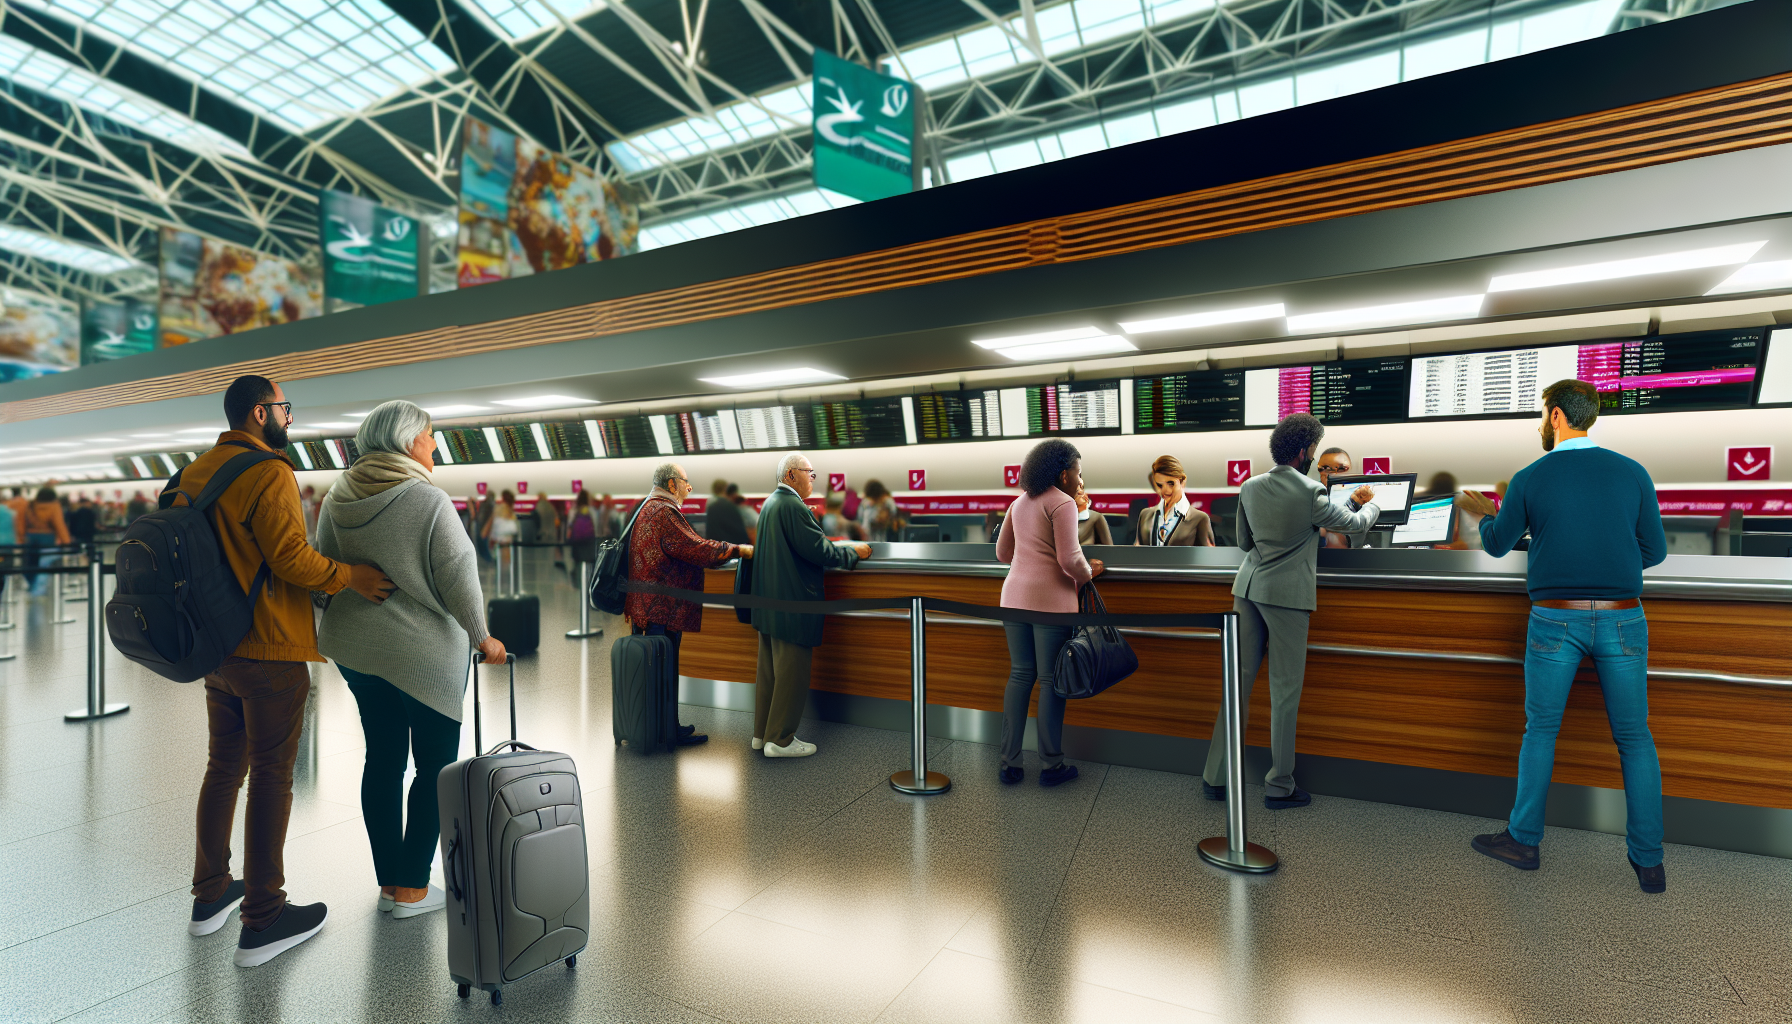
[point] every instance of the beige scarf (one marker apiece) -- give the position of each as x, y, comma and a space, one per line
375, 472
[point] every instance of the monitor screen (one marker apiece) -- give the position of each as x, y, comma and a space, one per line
1776, 369
1430, 521
1350, 391
1077, 407
1392, 493
1199, 400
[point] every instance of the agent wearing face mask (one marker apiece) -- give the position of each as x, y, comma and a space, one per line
1280, 515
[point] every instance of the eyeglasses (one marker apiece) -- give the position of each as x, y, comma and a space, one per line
682, 480
271, 406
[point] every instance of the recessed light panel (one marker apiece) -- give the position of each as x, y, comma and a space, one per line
1038, 338
543, 402
774, 378
454, 410
1397, 314
1757, 277
1100, 345
1691, 259
1211, 318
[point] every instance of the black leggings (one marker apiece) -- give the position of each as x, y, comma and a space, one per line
403, 840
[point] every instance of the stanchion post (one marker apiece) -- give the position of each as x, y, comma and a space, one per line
918, 780
1233, 851
96, 647
61, 616
584, 632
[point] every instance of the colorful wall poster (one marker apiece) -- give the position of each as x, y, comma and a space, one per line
211, 288
370, 252
525, 209
113, 330
38, 335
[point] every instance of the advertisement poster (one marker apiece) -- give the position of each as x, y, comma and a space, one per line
865, 129
525, 210
113, 330
370, 252
38, 335
211, 288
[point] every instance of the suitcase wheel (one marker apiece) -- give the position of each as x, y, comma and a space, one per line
497, 998
572, 961
464, 989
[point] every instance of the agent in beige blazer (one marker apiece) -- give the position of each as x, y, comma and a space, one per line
1187, 526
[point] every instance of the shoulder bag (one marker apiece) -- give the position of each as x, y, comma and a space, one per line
1095, 657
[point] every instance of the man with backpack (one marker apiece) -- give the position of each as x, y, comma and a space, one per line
255, 700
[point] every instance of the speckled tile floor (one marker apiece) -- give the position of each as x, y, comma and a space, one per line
729, 887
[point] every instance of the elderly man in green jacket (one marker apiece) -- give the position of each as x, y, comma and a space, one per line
788, 563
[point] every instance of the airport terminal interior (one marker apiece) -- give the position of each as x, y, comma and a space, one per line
533, 318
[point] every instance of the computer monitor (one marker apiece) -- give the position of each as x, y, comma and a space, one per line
1429, 521
1393, 491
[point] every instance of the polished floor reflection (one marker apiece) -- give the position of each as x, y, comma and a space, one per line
729, 887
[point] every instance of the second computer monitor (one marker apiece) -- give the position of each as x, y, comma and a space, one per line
1393, 494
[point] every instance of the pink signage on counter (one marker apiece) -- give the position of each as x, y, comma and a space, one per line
1377, 465
577, 486
1010, 476
917, 479
1751, 463
481, 486
837, 482
522, 487
1237, 471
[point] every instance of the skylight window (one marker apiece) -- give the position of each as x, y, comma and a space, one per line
68, 254
351, 54
520, 18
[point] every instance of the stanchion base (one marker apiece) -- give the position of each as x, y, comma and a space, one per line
1255, 860
7, 657
62, 622
573, 634
904, 782
81, 715
4, 626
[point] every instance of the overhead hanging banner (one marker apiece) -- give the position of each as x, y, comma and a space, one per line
113, 330
866, 125
38, 335
525, 209
370, 252
209, 288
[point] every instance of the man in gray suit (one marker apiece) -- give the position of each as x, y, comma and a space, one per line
1280, 515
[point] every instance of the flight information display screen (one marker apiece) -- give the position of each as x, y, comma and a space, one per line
773, 427
958, 415
629, 437
1078, 407
1200, 400
1501, 383
1776, 369
517, 442
467, 444
862, 423
1348, 391
709, 431
1714, 370
569, 440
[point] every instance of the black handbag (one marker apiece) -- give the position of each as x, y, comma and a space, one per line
1095, 657
743, 584
611, 570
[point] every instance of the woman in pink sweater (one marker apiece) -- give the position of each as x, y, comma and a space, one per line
1047, 567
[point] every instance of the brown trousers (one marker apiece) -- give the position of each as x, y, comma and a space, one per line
783, 689
255, 710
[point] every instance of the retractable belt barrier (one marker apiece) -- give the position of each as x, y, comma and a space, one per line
1231, 851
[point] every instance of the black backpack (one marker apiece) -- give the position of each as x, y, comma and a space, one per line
612, 568
178, 610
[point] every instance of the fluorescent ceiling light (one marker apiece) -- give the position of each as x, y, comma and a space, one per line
334, 426
1757, 277
362, 415
1692, 259
774, 378
1212, 318
1425, 311
543, 402
1101, 345
454, 410
148, 436
62, 444
106, 440
1038, 338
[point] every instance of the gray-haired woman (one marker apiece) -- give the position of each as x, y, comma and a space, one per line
405, 660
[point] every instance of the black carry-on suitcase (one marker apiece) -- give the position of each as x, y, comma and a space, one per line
514, 618
643, 696
513, 852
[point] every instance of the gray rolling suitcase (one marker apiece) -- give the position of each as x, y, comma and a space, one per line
643, 692
513, 852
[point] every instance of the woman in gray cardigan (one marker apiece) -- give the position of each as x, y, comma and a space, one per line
405, 660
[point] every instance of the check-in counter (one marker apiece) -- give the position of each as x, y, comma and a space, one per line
1415, 662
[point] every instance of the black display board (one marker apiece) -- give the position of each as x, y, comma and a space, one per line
1074, 408
1198, 400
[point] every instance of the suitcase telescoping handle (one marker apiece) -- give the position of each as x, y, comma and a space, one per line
478, 736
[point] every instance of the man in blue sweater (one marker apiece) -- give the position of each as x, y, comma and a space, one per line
1595, 526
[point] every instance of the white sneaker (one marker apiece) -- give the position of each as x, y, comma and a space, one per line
795, 748
386, 902
758, 744
434, 899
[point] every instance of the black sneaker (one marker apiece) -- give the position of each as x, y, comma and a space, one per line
1298, 798
1057, 776
209, 917
1653, 879
1012, 774
294, 925
686, 730
1213, 792
691, 739
1502, 847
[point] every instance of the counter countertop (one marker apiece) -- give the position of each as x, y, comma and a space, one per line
1699, 577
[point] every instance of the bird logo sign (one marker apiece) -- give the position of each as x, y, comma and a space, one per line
895, 100
1752, 463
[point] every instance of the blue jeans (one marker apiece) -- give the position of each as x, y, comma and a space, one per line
1618, 643
40, 584
402, 832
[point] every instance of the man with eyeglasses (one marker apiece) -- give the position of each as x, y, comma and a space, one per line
664, 549
790, 555
255, 701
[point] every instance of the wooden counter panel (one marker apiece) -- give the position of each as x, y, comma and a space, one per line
1716, 741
